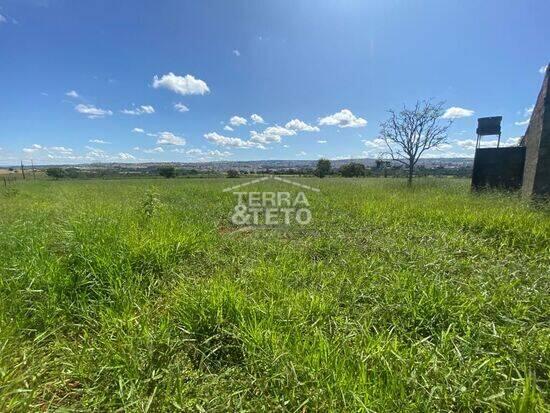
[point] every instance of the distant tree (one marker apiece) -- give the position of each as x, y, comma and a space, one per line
167, 171
353, 169
55, 173
71, 173
232, 173
411, 132
323, 168
383, 165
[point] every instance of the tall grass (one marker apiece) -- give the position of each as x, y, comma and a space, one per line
140, 296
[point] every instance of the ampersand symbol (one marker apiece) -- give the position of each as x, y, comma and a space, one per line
240, 217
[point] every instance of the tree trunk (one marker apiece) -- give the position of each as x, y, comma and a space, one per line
410, 177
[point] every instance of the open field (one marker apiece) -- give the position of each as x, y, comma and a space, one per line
137, 295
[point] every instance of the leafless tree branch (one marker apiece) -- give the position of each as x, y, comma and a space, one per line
411, 132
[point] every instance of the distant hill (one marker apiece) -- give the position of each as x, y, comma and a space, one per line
275, 165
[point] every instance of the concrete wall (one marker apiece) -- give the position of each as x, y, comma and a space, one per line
498, 168
536, 177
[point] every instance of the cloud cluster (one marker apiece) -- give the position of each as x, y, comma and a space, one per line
221, 140
183, 85
237, 121
527, 113
343, 119
208, 154
256, 118
298, 125
456, 112
91, 111
168, 138
141, 110
271, 134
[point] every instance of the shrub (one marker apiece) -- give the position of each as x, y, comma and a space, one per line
353, 169
167, 171
55, 173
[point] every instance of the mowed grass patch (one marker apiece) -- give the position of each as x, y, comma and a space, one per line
142, 296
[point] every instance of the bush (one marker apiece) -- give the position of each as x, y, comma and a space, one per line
353, 169
232, 173
167, 171
55, 173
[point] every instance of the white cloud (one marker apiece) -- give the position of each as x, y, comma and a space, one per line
168, 138
228, 141
141, 110
52, 152
279, 130
126, 156
180, 107
237, 121
321, 141
158, 149
302, 153
263, 137
3, 19
208, 154
91, 111
542, 69
34, 148
271, 134
236, 53
470, 144
377, 143
138, 130
95, 153
72, 94
511, 141
456, 112
297, 124
219, 154
99, 141
228, 128
343, 119
183, 85
527, 112
257, 118
60, 150
467, 144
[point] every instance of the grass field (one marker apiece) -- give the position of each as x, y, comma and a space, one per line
139, 296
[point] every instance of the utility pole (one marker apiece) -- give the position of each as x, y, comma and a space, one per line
33, 173
22, 170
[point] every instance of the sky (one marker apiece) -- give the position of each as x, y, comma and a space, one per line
188, 81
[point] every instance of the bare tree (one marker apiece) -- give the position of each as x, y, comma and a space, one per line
411, 132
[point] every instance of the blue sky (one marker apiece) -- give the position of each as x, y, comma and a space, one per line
133, 81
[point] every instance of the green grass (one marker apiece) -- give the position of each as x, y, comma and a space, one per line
138, 296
